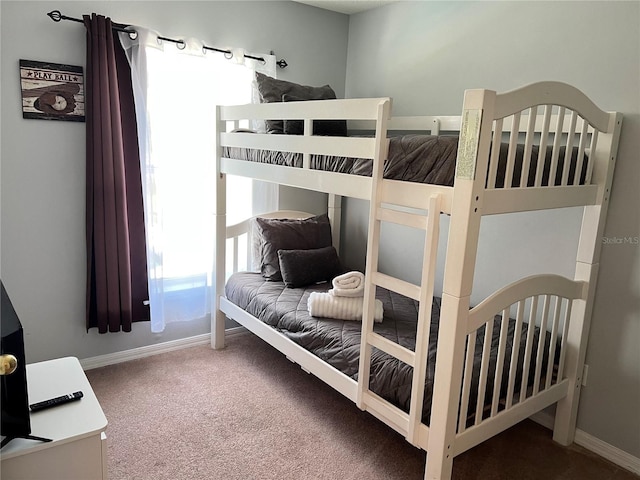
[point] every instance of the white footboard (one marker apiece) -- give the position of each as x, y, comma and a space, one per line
544, 301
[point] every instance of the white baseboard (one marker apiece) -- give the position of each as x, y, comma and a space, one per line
141, 352
595, 445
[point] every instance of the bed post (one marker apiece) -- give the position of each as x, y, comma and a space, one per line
219, 242
587, 263
335, 218
471, 165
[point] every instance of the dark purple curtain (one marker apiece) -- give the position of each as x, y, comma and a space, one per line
116, 252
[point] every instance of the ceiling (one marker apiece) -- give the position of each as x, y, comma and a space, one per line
346, 6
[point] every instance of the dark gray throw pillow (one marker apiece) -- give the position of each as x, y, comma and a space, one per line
330, 128
305, 267
289, 234
271, 91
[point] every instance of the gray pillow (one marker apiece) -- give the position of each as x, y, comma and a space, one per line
271, 91
289, 234
306, 267
330, 128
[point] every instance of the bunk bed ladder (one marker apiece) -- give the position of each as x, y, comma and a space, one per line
423, 293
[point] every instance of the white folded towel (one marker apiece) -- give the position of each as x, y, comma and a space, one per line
321, 304
350, 284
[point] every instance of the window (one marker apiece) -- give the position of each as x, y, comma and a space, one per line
176, 93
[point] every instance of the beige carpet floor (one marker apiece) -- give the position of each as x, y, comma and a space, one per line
246, 412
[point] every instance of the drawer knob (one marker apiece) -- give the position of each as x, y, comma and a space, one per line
8, 364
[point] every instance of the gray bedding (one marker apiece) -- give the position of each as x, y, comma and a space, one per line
337, 342
412, 158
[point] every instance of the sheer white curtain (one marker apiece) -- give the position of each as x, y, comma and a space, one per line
176, 88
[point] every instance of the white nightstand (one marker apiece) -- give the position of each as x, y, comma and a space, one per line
78, 450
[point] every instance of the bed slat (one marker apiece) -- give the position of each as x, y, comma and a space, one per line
484, 369
511, 154
502, 349
466, 384
592, 150
555, 152
514, 355
528, 348
566, 164
581, 150
554, 340
495, 154
541, 341
235, 256
544, 138
528, 146
563, 348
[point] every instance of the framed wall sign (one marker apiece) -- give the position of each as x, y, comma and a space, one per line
52, 91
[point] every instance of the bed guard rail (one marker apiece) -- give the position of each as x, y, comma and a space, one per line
308, 111
232, 118
240, 239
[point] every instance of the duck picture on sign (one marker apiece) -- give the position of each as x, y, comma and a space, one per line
52, 91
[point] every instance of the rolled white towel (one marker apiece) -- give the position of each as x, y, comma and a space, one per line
350, 284
321, 304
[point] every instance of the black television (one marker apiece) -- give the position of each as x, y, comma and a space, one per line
15, 421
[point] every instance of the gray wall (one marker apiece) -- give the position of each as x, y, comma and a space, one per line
43, 174
424, 54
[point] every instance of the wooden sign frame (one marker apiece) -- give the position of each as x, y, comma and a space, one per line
52, 91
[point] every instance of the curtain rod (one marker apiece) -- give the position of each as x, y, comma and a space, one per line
56, 16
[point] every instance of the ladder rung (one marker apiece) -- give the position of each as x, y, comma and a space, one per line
379, 407
396, 285
402, 218
392, 348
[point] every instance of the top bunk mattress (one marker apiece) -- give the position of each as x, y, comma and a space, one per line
419, 159
337, 342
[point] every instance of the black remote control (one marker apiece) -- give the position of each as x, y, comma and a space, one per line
52, 402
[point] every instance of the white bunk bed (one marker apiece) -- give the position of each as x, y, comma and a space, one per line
549, 115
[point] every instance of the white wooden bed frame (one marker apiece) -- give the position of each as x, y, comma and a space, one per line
547, 113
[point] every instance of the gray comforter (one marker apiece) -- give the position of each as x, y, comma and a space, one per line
413, 158
337, 342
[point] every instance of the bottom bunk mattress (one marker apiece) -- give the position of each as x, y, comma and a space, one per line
337, 342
